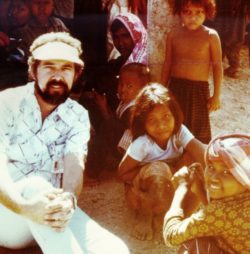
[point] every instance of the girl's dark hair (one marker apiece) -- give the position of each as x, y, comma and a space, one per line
151, 95
116, 25
209, 6
140, 69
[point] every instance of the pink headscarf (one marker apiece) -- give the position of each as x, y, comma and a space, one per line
139, 35
234, 151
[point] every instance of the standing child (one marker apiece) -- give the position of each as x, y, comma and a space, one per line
191, 50
112, 137
223, 225
160, 143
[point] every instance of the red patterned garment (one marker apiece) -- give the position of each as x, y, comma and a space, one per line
139, 35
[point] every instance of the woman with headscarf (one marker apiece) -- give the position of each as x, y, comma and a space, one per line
221, 226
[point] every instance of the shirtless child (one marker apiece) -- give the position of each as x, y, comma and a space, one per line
191, 50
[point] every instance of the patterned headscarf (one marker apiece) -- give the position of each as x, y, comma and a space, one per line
234, 151
139, 35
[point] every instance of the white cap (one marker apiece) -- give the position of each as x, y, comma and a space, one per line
57, 51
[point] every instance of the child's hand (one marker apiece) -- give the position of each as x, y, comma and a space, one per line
198, 182
214, 103
100, 99
182, 176
101, 102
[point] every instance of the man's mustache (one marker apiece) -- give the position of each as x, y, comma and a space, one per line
57, 83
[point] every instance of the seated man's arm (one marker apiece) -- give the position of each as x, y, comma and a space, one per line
75, 155
73, 173
35, 209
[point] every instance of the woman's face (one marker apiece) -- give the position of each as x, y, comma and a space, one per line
123, 42
160, 124
220, 183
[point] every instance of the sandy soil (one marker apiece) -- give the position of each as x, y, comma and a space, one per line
105, 202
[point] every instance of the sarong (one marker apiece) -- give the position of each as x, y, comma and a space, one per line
192, 97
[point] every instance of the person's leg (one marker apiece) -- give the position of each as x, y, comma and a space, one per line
14, 231
52, 242
232, 53
47, 238
17, 232
93, 238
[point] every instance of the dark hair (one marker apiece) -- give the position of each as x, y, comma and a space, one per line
116, 25
140, 69
209, 6
151, 95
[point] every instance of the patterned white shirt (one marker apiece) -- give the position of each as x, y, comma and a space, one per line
34, 147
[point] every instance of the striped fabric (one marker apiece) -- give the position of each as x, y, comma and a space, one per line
192, 97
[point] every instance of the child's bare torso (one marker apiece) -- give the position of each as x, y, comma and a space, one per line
190, 53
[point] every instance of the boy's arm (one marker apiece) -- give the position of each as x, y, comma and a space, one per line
197, 150
216, 61
165, 74
101, 102
128, 169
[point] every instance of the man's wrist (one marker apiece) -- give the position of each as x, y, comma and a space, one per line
73, 199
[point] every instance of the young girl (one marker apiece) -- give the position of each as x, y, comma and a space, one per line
112, 137
160, 143
191, 49
224, 222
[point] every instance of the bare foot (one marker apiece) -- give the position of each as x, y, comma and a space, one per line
143, 228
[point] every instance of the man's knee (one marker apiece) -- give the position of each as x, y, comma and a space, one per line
31, 186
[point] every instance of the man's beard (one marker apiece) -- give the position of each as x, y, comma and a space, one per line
53, 97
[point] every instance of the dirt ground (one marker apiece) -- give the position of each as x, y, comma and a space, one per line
105, 202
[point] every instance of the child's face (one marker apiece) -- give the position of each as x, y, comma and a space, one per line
129, 86
220, 183
160, 124
193, 16
20, 13
42, 9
